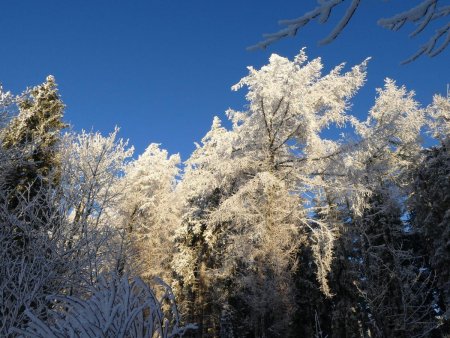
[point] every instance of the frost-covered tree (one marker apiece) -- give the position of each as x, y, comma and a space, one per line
275, 227
394, 283
252, 217
150, 212
388, 143
439, 118
60, 222
35, 132
92, 167
422, 15
290, 104
430, 206
38, 264
207, 177
7, 154
30, 218
377, 274
344, 316
32, 137
394, 287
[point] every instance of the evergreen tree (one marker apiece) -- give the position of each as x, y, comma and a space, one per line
202, 188
36, 133
430, 207
29, 218
392, 283
390, 278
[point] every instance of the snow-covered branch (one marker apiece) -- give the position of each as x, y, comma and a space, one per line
421, 15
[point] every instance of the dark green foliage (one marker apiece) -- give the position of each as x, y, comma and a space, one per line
28, 214
430, 206
34, 134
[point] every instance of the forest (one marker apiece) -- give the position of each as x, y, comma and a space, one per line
292, 218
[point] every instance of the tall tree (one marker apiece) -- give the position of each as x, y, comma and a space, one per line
394, 288
256, 175
30, 218
93, 167
208, 176
150, 212
430, 206
36, 131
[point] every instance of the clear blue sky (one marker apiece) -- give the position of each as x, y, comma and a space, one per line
161, 69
